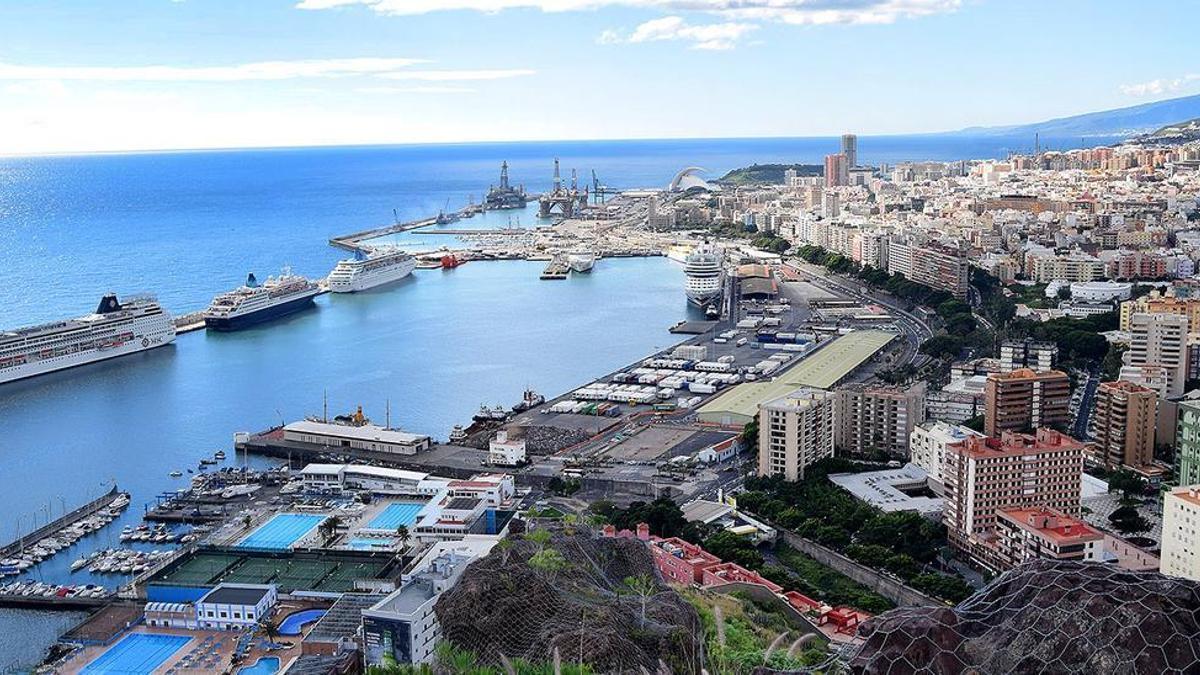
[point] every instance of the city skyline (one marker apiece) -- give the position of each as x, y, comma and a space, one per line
176, 75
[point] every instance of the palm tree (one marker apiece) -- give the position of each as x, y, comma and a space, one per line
403, 534
270, 629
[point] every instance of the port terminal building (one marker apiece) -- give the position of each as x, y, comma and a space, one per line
824, 368
361, 437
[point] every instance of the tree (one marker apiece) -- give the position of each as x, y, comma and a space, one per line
643, 587
539, 537
270, 629
1128, 483
1127, 520
549, 561
403, 535
942, 346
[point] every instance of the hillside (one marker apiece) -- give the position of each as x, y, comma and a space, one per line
1180, 130
570, 592
1119, 122
768, 174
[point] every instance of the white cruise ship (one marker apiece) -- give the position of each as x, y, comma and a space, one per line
256, 303
705, 274
114, 329
380, 266
581, 261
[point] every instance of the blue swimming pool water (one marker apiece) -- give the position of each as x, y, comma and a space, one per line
394, 516
264, 666
281, 531
370, 544
294, 622
137, 653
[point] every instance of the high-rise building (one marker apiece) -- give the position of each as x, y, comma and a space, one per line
1025, 399
983, 475
1180, 554
1187, 443
794, 431
836, 170
934, 265
830, 208
1123, 423
1027, 353
1160, 340
927, 445
850, 149
874, 417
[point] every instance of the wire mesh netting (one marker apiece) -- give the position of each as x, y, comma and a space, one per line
1044, 617
583, 600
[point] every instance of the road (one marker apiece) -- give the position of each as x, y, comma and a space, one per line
914, 328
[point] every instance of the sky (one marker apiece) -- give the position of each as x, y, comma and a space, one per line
172, 74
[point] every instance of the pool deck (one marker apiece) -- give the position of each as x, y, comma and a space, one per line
215, 659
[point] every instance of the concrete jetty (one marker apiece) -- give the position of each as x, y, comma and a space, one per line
57, 525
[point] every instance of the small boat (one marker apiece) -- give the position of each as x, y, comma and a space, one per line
450, 261
79, 564
220, 454
175, 474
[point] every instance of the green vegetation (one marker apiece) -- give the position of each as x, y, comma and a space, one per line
662, 515
1128, 521
742, 635
903, 544
803, 574
564, 488
768, 174
771, 242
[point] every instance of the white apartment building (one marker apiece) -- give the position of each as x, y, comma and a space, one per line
927, 445
794, 431
1181, 533
503, 451
1160, 340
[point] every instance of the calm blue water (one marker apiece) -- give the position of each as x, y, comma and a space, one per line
189, 225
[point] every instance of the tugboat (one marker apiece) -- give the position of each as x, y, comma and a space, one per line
487, 414
458, 434
450, 261
529, 399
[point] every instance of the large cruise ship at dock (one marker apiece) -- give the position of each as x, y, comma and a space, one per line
114, 329
704, 270
255, 303
379, 266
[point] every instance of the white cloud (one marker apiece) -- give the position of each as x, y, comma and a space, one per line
262, 70
414, 90
713, 36
457, 75
1159, 86
813, 12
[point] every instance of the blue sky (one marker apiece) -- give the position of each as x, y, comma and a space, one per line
155, 74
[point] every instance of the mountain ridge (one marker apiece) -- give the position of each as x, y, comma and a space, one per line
1124, 122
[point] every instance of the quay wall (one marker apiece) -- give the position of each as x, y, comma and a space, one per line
888, 587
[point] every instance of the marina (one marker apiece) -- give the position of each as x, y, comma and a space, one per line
32, 548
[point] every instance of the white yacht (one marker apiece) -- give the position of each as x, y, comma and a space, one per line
581, 261
704, 270
379, 266
114, 329
254, 303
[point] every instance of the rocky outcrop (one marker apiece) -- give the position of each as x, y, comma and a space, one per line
504, 605
1045, 617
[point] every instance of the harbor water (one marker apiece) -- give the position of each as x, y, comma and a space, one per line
435, 346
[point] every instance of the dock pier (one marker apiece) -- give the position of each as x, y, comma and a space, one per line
556, 269
67, 520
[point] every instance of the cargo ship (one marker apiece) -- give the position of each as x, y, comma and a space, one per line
256, 303
114, 329
365, 271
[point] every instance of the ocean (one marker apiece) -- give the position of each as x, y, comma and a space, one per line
188, 225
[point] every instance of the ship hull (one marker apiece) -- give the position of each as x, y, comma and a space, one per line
361, 282
277, 311
45, 366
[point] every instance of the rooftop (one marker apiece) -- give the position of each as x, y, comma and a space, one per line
886, 489
1054, 525
236, 594
366, 432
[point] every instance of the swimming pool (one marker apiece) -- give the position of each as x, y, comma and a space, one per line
282, 531
264, 666
297, 620
371, 544
394, 516
137, 653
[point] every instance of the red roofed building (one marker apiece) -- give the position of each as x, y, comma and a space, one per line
1029, 534
732, 573
680, 561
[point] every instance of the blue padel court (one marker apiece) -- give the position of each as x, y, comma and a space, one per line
394, 516
137, 653
280, 532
